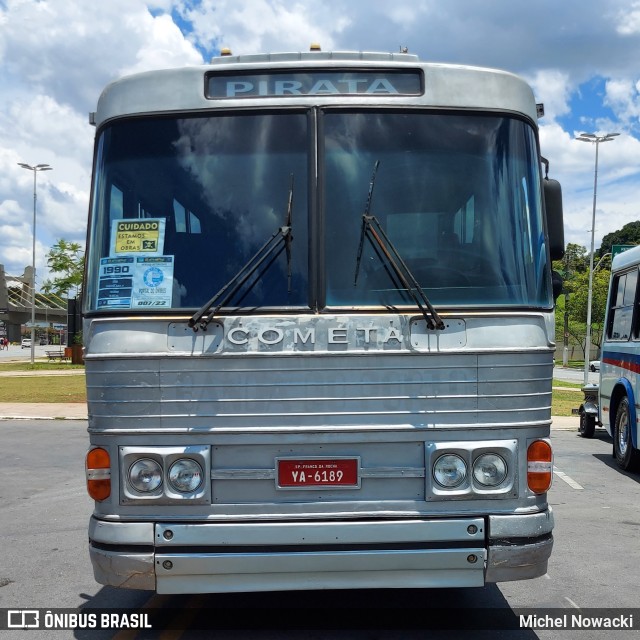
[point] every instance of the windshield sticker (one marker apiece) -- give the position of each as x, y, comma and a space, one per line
138, 236
135, 282
153, 282
115, 283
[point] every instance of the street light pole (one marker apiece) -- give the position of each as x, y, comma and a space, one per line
35, 169
594, 139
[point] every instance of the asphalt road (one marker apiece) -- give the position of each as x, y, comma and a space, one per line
574, 375
14, 352
44, 559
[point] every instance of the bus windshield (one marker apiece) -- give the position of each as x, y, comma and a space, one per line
181, 204
457, 195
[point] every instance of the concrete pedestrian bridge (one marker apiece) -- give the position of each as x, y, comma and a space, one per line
15, 304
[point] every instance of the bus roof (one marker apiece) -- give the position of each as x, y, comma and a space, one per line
626, 259
445, 86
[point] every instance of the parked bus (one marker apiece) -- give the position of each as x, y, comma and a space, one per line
319, 326
613, 403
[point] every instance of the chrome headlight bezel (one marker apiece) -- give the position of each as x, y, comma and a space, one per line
166, 457
471, 452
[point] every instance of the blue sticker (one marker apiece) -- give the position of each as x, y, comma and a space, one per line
153, 277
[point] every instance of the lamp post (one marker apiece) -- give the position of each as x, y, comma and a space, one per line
35, 169
594, 139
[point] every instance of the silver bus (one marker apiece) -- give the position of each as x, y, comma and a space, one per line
319, 326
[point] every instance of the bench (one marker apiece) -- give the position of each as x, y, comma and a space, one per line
57, 355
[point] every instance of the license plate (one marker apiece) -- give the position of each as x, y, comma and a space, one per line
318, 473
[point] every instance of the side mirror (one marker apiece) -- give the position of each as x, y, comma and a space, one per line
557, 283
555, 222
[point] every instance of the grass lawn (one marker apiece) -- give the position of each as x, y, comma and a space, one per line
565, 397
41, 387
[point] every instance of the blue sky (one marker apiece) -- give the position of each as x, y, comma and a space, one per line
580, 56
587, 106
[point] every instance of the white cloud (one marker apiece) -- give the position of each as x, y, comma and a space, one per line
162, 44
629, 20
265, 25
41, 121
553, 88
86, 45
55, 58
406, 15
623, 96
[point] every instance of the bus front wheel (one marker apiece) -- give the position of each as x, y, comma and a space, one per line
627, 458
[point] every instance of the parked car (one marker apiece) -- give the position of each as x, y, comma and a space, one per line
43, 342
26, 343
594, 365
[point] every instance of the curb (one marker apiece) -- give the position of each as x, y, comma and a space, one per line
43, 411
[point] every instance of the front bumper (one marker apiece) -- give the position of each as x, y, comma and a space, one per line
273, 556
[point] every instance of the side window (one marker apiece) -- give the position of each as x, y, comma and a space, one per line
631, 299
116, 204
464, 222
623, 297
186, 221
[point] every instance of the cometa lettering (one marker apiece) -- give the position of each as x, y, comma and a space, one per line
335, 335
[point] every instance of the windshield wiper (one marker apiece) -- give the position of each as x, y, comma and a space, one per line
388, 254
280, 241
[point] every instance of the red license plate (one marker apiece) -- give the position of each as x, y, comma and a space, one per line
318, 472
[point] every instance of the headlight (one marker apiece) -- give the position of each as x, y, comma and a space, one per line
449, 470
489, 470
185, 475
145, 475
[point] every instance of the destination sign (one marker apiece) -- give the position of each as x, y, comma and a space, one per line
327, 82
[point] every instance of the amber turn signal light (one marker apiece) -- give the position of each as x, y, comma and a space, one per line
98, 469
539, 466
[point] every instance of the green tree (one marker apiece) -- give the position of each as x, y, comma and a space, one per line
66, 261
629, 234
574, 268
576, 260
577, 305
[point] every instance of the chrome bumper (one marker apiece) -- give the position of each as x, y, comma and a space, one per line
519, 546
208, 557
